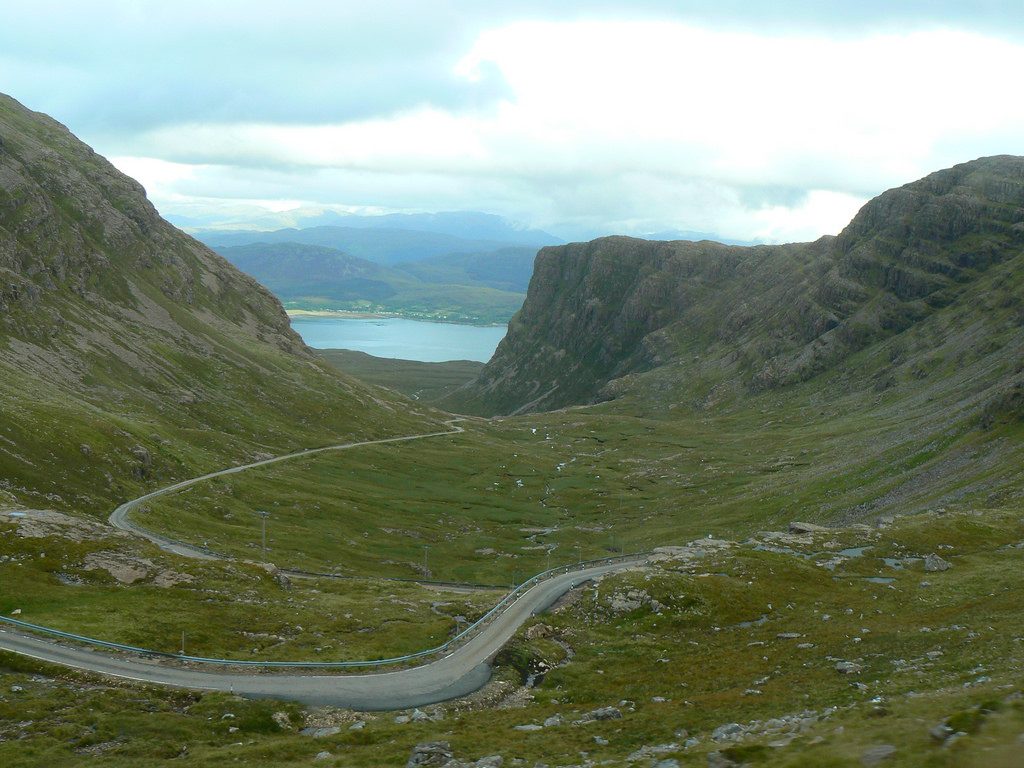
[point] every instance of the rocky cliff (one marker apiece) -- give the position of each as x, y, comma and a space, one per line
748, 319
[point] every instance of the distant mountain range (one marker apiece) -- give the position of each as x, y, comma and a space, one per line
464, 287
463, 225
461, 266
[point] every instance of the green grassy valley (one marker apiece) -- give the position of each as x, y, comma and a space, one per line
818, 444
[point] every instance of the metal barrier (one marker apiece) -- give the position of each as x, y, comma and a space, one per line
465, 635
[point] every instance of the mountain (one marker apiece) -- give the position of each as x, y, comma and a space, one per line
473, 288
925, 275
506, 269
381, 245
131, 353
467, 225
296, 271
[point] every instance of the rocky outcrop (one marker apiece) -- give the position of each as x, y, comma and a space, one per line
715, 318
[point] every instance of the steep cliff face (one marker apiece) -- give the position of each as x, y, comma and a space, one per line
751, 319
71, 223
122, 337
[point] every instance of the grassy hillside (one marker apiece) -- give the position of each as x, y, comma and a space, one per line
506, 269
870, 382
425, 382
129, 353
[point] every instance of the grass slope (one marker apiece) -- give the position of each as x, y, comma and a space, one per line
130, 354
425, 382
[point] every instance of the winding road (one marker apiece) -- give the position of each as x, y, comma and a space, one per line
460, 671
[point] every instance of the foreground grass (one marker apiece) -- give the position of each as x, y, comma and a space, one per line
709, 652
238, 611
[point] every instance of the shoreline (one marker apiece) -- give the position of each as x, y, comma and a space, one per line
345, 314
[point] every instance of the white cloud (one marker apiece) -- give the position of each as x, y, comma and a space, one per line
638, 125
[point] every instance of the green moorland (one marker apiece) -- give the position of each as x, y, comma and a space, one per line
604, 479
131, 357
424, 382
74, 575
744, 633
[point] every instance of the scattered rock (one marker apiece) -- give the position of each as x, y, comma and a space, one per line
325, 755
848, 668
727, 732
419, 716
940, 732
601, 741
633, 599
552, 721
538, 631
646, 753
788, 635
145, 465
123, 568
877, 755
602, 713
527, 727
934, 563
284, 722
430, 753
358, 725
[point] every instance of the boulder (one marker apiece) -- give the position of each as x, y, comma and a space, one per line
726, 732
602, 713
933, 563
430, 753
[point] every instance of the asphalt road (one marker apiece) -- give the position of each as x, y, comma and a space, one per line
461, 671
119, 517
458, 673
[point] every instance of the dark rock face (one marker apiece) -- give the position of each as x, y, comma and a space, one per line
756, 318
72, 223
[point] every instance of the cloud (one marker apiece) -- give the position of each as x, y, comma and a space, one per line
756, 120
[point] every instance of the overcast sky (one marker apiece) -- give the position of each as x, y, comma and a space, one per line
773, 121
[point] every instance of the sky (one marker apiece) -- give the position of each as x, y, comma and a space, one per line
768, 121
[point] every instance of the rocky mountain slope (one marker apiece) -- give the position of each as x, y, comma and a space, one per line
936, 264
128, 350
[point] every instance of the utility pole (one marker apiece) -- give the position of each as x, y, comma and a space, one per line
426, 570
264, 516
